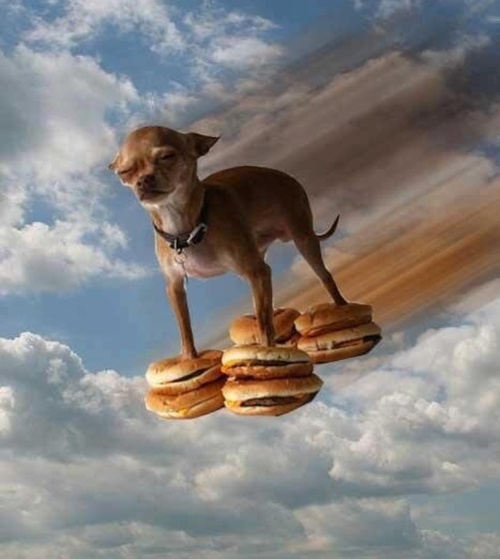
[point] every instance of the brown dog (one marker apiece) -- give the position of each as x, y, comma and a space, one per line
224, 223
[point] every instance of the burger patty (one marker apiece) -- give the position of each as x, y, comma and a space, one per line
188, 377
274, 400
364, 339
264, 363
269, 401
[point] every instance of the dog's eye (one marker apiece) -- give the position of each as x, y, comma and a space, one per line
124, 172
166, 156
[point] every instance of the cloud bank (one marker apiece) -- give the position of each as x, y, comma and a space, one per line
54, 141
87, 471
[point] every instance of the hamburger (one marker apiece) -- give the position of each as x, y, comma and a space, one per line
244, 330
267, 380
176, 375
326, 317
201, 401
265, 362
269, 397
341, 344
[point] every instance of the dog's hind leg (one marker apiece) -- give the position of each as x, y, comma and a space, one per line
308, 244
259, 277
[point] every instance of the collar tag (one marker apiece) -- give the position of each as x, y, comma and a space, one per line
197, 234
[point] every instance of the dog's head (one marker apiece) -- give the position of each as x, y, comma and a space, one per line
157, 162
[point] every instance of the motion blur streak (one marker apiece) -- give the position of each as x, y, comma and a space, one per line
396, 147
411, 270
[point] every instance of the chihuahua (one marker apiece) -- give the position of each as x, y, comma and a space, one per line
224, 223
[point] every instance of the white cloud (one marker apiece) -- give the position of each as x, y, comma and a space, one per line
211, 21
94, 471
230, 39
244, 51
55, 106
387, 8
6, 408
42, 258
444, 396
210, 38
12, 201
485, 546
56, 139
456, 55
476, 6
170, 107
355, 526
85, 19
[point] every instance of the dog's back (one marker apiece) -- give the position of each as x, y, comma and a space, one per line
260, 191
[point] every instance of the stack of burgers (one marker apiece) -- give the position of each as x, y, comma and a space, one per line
267, 380
184, 389
262, 380
330, 333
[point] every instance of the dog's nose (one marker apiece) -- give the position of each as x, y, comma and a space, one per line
146, 181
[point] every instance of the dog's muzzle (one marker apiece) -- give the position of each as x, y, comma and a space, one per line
146, 182
146, 187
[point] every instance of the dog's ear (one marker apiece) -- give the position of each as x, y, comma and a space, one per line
112, 165
200, 144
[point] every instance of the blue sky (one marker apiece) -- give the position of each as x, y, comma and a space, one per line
125, 54
401, 463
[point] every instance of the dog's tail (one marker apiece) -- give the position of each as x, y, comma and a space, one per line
327, 234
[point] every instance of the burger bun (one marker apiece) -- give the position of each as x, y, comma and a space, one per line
327, 317
244, 330
341, 344
195, 403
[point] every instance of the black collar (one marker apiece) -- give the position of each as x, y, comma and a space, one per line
180, 242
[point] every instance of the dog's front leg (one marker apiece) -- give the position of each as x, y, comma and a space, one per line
178, 301
259, 277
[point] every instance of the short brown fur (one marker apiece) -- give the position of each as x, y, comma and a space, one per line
247, 208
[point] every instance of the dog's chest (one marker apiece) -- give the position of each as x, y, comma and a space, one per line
196, 262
